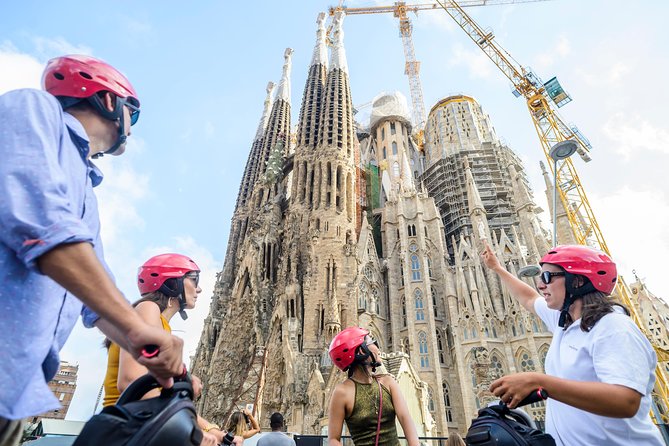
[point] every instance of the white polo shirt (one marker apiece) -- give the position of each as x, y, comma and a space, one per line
613, 352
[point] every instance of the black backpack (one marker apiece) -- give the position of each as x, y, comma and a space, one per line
166, 420
498, 425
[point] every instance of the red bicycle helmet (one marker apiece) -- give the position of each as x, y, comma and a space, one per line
155, 271
79, 76
585, 261
345, 344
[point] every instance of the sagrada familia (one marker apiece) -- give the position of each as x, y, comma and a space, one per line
343, 225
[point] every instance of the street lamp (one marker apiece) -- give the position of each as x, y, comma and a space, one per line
559, 151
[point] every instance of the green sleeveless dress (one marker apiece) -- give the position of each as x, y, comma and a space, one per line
364, 417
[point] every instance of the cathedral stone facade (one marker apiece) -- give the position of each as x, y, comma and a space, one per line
343, 225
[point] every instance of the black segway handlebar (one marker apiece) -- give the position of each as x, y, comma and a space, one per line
535, 396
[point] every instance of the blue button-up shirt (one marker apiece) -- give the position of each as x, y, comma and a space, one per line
46, 199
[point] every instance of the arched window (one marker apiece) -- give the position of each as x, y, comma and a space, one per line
526, 364
396, 169
429, 267
402, 273
430, 399
447, 403
403, 304
418, 297
415, 268
385, 155
496, 366
394, 148
435, 307
422, 350
543, 351
406, 347
440, 347
392, 128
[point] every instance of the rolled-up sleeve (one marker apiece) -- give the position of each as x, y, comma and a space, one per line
36, 208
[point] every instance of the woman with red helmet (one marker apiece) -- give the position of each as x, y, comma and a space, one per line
168, 284
368, 403
600, 368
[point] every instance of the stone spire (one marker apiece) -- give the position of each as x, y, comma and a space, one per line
477, 211
278, 126
246, 186
310, 113
525, 207
565, 235
337, 125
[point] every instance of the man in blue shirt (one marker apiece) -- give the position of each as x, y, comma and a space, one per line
50, 247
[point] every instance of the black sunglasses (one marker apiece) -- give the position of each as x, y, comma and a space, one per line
546, 276
195, 277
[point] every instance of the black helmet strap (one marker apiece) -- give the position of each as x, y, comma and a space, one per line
114, 115
174, 287
571, 294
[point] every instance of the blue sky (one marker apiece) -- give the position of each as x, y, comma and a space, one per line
201, 69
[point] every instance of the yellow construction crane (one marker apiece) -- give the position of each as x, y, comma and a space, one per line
411, 65
552, 130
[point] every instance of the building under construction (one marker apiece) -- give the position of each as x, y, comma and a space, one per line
348, 224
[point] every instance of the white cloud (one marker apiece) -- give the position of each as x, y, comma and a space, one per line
48, 48
474, 60
558, 51
635, 240
24, 70
633, 135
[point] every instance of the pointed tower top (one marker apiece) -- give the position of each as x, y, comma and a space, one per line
338, 55
473, 196
408, 185
284, 85
320, 56
265, 113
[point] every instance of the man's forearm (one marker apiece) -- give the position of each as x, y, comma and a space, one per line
76, 268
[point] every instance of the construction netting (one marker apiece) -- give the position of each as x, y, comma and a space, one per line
389, 104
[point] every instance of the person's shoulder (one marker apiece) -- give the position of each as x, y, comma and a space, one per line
26, 97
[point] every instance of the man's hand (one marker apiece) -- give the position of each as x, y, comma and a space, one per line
168, 363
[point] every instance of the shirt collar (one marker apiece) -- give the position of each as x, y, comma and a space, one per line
81, 141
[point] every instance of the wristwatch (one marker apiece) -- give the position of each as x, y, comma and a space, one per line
212, 426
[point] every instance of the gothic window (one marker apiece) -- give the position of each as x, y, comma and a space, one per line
368, 272
394, 145
496, 366
413, 247
535, 327
411, 230
406, 348
375, 296
420, 313
415, 267
429, 267
440, 347
401, 274
543, 351
396, 169
434, 302
385, 154
403, 304
383, 133
392, 128
525, 362
494, 331
430, 399
422, 350
424, 227
447, 402
466, 332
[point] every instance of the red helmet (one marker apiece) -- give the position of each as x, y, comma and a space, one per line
79, 76
158, 269
344, 345
585, 261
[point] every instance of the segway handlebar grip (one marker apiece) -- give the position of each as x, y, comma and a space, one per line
535, 396
149, 351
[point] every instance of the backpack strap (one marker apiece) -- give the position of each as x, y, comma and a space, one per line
378, 424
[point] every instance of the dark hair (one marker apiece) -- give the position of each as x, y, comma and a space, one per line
596, 305
156, 297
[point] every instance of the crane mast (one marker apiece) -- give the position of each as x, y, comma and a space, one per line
552, 130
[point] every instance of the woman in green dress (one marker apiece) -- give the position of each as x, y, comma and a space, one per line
368, 403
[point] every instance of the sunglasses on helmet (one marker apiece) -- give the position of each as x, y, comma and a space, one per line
547, 276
